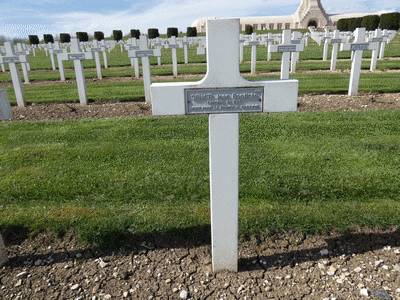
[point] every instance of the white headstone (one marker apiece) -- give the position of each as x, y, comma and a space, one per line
77, 56
3, 253
5, 107
11, 59
223, 93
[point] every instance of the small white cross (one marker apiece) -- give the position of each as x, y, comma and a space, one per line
286, 47
358, 46
253, 43
173, 45
11, 59
144, 52
77, 56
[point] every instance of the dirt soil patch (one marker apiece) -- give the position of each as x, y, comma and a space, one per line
360, 265
289, 266
308, 102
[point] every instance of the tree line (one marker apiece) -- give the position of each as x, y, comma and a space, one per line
116, 35
390, 21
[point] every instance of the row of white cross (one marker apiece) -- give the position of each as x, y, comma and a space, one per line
290, 45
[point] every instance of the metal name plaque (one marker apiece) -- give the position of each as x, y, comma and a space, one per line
287, 48
375, 40
254, 43
58, 51
157, 44
224, 100
134, 48
144, 53
336, 41
76, 56
354, 47
296, 42
95, 49
172, 46
8, 60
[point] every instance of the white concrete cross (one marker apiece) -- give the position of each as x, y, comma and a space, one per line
377, 38
131, 46
12, 59
173, 45
358, 47
286, 48
335, 41
223, 93
297, 39
144, 52
385, 36
50, 49
96, 49
185, 43
24, 65
253, 43
77, 56
241, 44
268, 41
157, 43
327, 39
57, 50
105, 60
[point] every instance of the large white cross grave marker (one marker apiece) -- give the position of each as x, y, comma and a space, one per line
77, 56
223, 93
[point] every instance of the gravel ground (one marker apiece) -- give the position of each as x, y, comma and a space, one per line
360, 265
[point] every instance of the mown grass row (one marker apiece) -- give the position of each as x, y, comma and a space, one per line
108, 179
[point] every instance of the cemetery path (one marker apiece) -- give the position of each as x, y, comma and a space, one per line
308, 102
291, 266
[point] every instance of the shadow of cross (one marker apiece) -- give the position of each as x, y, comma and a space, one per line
223, 94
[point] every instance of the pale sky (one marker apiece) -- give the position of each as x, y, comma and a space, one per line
20, 18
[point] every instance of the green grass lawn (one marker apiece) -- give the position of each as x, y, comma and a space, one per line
306, 172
